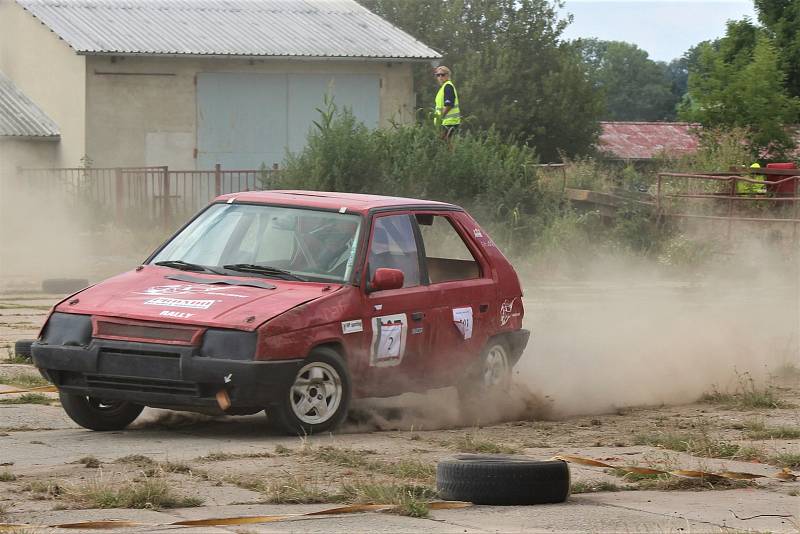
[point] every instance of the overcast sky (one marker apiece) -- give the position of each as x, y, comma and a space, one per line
664, 28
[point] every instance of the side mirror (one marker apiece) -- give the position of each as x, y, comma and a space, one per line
384, 279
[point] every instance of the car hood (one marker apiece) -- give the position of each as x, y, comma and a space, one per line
155, 293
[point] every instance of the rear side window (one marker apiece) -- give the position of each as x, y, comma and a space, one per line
393, 246
447, 256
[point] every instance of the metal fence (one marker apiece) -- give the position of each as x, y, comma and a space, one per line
154, 193
769, 196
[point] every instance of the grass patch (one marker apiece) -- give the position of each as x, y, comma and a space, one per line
138, 460
150, 493
13, 358
7, 476
631, 477
673, 483
356, 459
220, 456
474, 443
89, 461
747, 395
701, 445
296, 490
593, 487
24, 381
410, 500
44, 489
28, 398
282, 450
785, 459
756, 429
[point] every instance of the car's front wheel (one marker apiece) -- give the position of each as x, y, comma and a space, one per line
318, 398
98, 414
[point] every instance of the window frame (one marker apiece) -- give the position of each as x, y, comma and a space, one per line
450, 215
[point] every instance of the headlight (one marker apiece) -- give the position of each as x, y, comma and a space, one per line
68, 329
229, 344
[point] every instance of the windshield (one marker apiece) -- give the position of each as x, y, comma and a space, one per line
257, 240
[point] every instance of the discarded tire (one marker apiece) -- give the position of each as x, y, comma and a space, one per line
502, 480
64, 285
23, 348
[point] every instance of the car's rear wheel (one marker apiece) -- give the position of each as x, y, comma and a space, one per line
488, 378
98, 414
318, 398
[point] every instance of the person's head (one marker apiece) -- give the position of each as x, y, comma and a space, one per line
442, 74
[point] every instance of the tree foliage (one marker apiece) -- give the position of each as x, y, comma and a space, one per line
511, 67
635, 87
782, 20
738, 81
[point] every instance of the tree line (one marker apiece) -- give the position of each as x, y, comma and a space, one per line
516, 73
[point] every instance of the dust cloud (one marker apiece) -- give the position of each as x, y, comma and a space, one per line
47, 231
626, 335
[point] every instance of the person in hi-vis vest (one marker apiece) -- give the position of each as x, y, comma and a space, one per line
750, 188
447, 113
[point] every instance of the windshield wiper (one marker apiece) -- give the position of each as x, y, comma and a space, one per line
186, 266
263, 269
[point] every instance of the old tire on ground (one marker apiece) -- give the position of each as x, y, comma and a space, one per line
97, 414
502, 480
23, 348
318, 398
488, 379
64, 285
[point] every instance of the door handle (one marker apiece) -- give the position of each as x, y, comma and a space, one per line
417, 316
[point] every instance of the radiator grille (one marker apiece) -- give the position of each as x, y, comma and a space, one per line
117, 329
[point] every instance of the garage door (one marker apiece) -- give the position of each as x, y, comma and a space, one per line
246, 120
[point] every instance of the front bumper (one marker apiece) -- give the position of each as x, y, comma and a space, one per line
162, 375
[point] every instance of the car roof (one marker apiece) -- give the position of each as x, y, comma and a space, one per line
353, 202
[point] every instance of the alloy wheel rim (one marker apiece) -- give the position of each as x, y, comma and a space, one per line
316, 393
495, 371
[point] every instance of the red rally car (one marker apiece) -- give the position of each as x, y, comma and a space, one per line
292, 302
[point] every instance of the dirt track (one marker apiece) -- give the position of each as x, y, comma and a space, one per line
55, 472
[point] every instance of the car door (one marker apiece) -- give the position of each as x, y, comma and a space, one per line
464, 292
399, 319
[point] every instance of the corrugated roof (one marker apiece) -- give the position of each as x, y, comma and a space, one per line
19, 116
310, 28
645, 140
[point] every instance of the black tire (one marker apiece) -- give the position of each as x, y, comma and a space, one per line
64, 285
502, 480
96, 414
330, 364
23, 348
480, 387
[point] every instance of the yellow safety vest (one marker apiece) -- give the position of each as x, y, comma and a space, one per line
749, 188
453, 117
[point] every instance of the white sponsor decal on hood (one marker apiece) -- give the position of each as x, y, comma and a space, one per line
186, 289
181, 303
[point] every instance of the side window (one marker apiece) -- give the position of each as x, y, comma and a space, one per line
446, 255
393, 246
